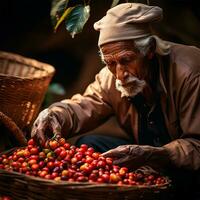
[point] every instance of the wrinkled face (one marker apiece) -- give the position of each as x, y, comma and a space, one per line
127, 65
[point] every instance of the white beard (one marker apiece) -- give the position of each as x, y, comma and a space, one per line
134, 87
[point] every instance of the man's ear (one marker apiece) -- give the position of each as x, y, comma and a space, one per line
152, 49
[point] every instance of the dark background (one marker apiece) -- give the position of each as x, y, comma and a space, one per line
25, 28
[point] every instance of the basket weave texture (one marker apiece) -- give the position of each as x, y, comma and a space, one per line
23, 83
8, 129
23, 187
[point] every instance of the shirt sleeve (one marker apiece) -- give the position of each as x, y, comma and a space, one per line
185, 152
88, 111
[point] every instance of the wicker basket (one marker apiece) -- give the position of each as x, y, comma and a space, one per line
22, 187
23, 83
10, 134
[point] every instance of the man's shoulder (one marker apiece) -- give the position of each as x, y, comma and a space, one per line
107, 82
185, 52
105, 72
105, 75
185, 58
106, 79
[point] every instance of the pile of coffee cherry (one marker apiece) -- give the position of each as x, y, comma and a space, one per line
58, 160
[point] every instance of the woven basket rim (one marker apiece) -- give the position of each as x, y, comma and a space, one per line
88, 185
19, 78
28, 61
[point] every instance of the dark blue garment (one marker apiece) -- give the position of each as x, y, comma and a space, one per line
101, 143
152, 129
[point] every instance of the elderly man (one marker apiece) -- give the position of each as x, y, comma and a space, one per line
152, 87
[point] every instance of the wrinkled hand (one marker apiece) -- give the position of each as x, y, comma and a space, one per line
135, 156
49, 121
147, 170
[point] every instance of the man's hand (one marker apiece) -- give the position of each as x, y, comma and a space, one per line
135, 156
49, 121
147, 170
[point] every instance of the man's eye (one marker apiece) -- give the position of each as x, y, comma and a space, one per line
111, 66
124, 61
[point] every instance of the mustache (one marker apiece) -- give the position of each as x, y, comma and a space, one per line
130, 81
131, 87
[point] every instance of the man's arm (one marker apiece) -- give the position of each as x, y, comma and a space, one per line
182, 153
185, 152
87, 111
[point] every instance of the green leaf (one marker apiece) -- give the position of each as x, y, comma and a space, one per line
63, 17
56, 88
114, 3
57, 9
54, 2
77, 18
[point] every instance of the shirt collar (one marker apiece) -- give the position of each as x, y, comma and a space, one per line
162, 78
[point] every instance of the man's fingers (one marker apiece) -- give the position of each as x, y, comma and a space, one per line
110, 153
40, 137
55, 126
34, 128
121, 161
128, 162
147, 170
113, 153
120, 151
38, 131
33, 132
46, 125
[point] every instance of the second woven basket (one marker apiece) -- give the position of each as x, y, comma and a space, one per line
23, 84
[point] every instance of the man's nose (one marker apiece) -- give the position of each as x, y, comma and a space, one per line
121, 73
